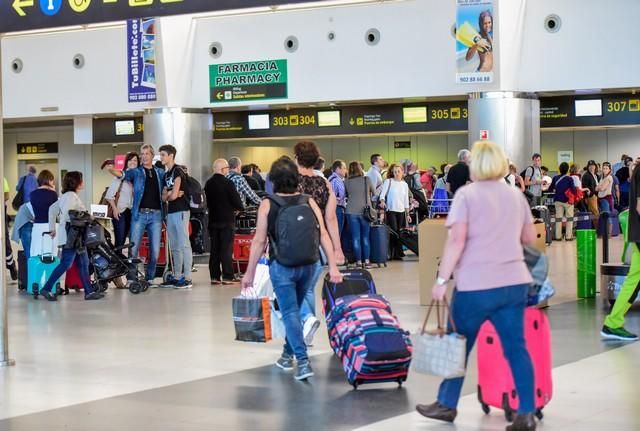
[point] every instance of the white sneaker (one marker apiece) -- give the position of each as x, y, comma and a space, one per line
309, 329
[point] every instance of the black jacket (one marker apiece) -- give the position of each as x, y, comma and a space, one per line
222, 200
588, 182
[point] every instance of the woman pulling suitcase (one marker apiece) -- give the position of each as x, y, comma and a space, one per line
489, 286
394, 199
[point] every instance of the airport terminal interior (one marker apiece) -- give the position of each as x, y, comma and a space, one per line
415, 82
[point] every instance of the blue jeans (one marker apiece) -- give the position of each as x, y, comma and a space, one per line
122, 227
308, 307
178, 232
504, 308
152, 223
25, 239
69, 256
340, 216
290, 285
360, 232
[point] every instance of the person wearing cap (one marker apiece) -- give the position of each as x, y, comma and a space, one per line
590, 184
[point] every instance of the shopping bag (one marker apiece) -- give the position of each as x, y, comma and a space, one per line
439, 352
252, 319
277, 324
262, 281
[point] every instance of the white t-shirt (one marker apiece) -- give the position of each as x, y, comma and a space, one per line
395, 195
125, 200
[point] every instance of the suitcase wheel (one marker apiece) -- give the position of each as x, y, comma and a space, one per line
400, 383
508, 415
35, 289
539, 414
486, 409
355, 385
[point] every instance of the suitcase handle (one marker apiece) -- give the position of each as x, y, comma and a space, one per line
49, 255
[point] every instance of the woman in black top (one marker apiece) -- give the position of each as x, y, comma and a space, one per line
290, 284
41, 200
590, 184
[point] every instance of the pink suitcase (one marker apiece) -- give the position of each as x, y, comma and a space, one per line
495, 382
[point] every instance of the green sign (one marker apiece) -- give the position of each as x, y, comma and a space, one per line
254, 80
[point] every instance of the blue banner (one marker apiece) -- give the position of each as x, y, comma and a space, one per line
141, 59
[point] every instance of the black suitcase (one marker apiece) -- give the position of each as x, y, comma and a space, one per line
409, 238
23, 273
542, 213
379, 240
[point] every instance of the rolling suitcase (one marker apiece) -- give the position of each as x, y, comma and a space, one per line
354, 282
542, 213
368, 339
379, 240
495, 381
583, 224
409, 239
72, 279
39, 269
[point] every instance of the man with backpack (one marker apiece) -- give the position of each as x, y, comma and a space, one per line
175, 194
533, 180
294, 226
26, 184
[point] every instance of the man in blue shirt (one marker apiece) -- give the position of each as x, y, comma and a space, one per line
147, 212
339, 171
27, 183
560, 184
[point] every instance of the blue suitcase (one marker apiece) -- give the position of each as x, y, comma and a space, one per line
39, 269
379, 240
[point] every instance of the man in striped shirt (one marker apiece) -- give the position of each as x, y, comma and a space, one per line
248, 196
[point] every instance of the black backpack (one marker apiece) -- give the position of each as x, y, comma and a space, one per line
523, 174
297, 233
194, 194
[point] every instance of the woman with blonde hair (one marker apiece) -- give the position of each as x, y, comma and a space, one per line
488, 223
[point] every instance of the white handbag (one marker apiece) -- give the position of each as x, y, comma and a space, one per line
262, 281
439, 352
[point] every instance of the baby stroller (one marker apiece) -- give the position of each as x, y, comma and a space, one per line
107, 263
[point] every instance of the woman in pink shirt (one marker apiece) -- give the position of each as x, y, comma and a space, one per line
488, 223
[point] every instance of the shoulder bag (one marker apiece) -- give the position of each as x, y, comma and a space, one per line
368, 212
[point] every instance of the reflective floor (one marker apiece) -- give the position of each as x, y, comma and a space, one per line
167, 360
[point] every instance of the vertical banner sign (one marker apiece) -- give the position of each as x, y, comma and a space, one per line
253, 80
141, 59
474, 41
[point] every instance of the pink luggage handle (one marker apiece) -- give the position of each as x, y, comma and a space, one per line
440, 331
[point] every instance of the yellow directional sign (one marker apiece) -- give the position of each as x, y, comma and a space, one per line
19, 4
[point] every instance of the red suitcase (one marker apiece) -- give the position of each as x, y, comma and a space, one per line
495, 381
72, 278
143, 251
242, 250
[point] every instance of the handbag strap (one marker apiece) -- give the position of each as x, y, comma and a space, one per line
440, 318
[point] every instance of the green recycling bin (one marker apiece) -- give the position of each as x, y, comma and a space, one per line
586, 245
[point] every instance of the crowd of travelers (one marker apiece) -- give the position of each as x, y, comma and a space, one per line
306, 213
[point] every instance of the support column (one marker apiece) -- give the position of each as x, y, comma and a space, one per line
510, 119
190, 131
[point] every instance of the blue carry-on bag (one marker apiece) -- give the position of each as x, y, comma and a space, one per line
40, 268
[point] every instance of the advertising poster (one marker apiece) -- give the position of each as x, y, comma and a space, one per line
141, 59
474, 41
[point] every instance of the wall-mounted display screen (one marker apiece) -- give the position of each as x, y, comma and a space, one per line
329, 119
259, 121
125, 127
414, 114
588, 108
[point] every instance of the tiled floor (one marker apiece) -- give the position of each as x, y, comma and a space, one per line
166, 360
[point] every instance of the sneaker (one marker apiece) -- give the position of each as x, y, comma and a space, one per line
285, 362
183, 284
171, 282
93, 296
617, 334
309, 329
303, 371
